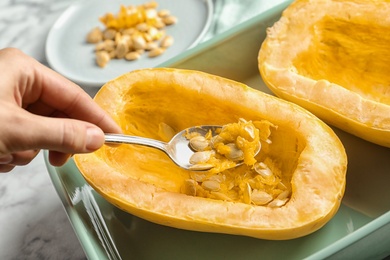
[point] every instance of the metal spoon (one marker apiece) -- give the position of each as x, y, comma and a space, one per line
178, 148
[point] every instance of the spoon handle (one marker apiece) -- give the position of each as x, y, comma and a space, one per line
128, 139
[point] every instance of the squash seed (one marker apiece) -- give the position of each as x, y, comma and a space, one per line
169, 20
138, 42
127, 35
121, 49
142, 27
277, 203
163, 12
189, 187
132, 55
283, 195
200, 167
250, 130
262, 169
235, 154
150, 46
197, 176
246, 195
199, 143
95, 35
220, 196
102, 58
260, 197
166, 42
211, 185
156, 52
109, 34
201, 157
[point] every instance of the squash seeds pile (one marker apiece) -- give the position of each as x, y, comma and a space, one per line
135, 30
254, 182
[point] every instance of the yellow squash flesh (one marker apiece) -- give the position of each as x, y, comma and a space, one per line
332, 57
144, 182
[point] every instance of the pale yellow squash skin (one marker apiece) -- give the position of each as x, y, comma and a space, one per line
332, 57
144, 182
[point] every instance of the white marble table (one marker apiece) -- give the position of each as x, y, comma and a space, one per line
33, 223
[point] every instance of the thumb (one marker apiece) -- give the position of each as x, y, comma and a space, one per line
72, 136
57, 134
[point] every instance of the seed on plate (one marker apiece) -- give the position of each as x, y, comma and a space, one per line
100, 46
156, 52
136, 26
140, 51
155, 34
169, 20
150, 4
151, 14
142, 27
133, 55
163, 13
159, 24
166, 42
129, 31
139, 42
95, 35
109, 34
109, 45
122, 49
112, 54
102, 58
150, 46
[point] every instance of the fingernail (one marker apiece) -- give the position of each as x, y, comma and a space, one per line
6, 159
95, 139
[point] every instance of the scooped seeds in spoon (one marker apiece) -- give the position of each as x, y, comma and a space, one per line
231, 145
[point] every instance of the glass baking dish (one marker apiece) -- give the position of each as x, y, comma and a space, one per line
360, 229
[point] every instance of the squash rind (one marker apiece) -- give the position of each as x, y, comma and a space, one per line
352, 109
318, 182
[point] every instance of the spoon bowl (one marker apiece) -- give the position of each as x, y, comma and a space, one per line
178, 148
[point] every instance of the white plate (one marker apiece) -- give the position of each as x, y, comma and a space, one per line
68, 53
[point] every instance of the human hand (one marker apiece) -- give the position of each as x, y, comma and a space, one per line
40, 109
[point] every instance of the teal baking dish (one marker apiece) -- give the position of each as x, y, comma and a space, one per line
360, 229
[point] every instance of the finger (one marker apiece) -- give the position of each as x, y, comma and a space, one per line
58, 158
57, 134
6, 159
6, 167
22, 158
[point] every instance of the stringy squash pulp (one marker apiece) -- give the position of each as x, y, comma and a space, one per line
332, 57
307, 157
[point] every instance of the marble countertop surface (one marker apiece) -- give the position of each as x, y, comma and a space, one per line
33, 222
